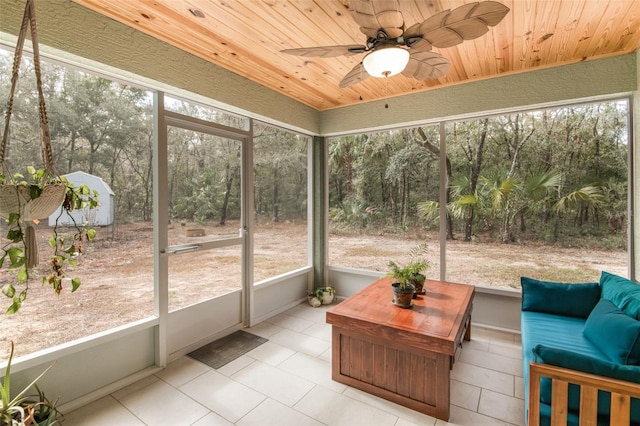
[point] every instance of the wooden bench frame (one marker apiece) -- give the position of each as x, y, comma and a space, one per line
621, 394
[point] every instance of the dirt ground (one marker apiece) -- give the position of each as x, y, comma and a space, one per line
117, 273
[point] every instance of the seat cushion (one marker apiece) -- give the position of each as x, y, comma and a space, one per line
615, 333
575, 300
552, 330
623, 292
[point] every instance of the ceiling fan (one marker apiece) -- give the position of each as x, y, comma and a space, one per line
392, 49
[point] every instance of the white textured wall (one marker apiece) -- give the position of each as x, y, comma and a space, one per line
545, 86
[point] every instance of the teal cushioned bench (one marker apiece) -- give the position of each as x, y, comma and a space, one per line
553, 320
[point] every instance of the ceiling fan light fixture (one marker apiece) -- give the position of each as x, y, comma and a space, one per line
386, 62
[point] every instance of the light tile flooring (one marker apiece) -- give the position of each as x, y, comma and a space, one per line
287, 381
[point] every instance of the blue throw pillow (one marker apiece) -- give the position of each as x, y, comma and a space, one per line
614, 333
577, 361
623, 292
574, 300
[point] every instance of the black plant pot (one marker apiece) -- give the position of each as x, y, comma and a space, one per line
418, 282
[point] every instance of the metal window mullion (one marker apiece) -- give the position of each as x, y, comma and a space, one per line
443, 202
160, 231
247, 226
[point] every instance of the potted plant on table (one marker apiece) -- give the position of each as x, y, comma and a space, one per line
417, 266
415, 269
402, 287
410, 275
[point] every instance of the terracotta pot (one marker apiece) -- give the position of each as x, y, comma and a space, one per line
402, 296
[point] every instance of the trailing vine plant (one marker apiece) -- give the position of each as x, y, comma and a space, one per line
17, 255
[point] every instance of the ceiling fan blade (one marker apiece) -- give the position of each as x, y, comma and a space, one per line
356, 75
426, 66
466, 22
418, 44
326, 51
413, 31
491, 12
373, 16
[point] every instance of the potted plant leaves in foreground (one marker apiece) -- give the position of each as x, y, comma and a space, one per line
23, 409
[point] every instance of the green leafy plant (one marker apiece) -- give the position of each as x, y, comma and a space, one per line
321, 296
416, 270
15, 251
403, 289
43, 410
415, 267
22, 409
413, 272
320, 291
401, 274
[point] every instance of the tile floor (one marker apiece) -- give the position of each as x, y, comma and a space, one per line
287, 381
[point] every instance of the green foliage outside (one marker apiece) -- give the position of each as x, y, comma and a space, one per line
105, 128
549, 177
555, 176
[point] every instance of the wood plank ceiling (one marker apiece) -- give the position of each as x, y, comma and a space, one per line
246, 37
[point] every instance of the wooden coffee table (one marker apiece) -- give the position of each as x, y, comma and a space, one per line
372, 341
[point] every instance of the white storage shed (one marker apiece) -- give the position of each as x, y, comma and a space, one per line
102, 215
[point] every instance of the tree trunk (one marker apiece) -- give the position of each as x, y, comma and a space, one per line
227, 195
276, 197
436, 151
507, 234
72, 149
473, 179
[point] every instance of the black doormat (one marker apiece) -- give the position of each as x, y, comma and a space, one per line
222, 351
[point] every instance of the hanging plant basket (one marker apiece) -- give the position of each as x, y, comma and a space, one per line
27, 199
39, 198
31, 202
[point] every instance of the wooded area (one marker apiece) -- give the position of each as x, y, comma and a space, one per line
555, 176
105, 128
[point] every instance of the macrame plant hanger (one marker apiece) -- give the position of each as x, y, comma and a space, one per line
16, 198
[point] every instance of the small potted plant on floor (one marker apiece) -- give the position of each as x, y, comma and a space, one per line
313, 299
321, 296
23, 409
402, 288
326, 294
44, 411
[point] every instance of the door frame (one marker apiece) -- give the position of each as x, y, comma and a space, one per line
163, 120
